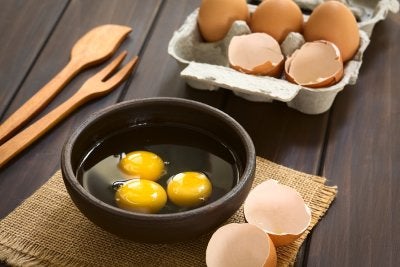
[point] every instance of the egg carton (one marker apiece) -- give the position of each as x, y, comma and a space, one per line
206, 65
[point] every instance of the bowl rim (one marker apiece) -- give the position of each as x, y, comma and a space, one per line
69, 174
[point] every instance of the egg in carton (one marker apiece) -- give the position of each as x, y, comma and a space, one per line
206, 65
367, 12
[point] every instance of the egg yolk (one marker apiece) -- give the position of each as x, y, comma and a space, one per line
141, 196
143, 165
189, 189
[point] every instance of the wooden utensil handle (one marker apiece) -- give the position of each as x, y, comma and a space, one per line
29, 135
38, 101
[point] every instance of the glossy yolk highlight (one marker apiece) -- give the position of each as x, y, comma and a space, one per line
189, 189
143, 165
141, 196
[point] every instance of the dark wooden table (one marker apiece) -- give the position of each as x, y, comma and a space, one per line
356, 144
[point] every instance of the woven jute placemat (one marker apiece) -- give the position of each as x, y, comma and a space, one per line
48, 230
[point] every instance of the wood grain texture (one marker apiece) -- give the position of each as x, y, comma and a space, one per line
281, 134
284, 136
94, 87
158, 73
94, 47
362, 158
24, 28
29, 170
355, 145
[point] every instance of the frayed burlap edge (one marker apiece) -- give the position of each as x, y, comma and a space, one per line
19, 252
319, 205
318, 199
28, 254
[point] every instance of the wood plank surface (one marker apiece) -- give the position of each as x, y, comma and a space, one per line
158, 72
281, 134
24, 28
355, 145
284, 136
362, 158
22, 176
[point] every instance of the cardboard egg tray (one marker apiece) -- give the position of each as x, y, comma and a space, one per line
206, 64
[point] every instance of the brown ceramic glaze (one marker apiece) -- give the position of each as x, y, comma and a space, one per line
158, 227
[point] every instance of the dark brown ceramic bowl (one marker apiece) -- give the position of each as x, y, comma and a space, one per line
158, 227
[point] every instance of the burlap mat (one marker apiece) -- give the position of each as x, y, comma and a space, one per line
48, 230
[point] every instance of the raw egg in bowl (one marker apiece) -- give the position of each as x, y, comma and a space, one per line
158, 169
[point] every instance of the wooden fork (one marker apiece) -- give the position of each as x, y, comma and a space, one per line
96, 46
100, 84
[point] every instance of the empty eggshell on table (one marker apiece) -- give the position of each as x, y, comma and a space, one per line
240, 245
279, 210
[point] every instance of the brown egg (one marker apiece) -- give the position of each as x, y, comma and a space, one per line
277, 18
279, 210
315, 64
216, 17
255, 53
334, 22
237, 245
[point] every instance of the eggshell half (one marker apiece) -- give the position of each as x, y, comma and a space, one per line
315, 64
334, 22
240, 245
277, 18
279, 210
255, 53
216, 17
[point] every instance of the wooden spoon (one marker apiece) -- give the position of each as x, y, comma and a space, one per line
94, 47
98, 85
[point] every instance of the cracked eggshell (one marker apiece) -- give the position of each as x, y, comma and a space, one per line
315, 64
256, 53
207, 67
278, 210
240, 245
